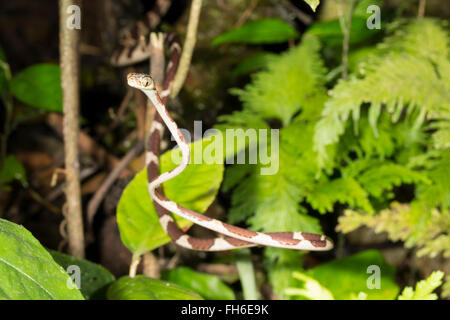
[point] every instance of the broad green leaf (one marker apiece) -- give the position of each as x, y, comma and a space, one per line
144, 288
347, 277
424, 288
313, 4
208, 286
253, 63
39, 86
11, 170
195, 188
330, 31
257, 32
27, 270
93, 277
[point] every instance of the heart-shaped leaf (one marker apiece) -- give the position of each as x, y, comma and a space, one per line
28, 271
195, 188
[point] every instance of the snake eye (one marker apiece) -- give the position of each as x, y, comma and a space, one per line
146, 83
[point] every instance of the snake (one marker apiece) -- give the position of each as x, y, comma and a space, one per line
135, 47
232, 236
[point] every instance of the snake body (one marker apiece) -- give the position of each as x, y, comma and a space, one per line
234, 237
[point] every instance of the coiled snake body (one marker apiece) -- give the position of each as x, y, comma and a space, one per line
234, 236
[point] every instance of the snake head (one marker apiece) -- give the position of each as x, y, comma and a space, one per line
140, 81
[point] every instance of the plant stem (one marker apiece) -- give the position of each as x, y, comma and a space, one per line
69, 40
345, 19
247, 274
421, 11
188, 48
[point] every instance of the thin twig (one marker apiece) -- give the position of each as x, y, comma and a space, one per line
95, 201
303, 17
8, 103
69, 40
421, 11
244, 17
85, 143
188, 48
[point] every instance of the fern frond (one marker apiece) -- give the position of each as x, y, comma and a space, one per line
414, 224
424, 288
344, 190
402, 77
291, 83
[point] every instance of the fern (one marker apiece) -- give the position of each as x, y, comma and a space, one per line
344, 190
424, 288
413, 224
290, 84
399, 76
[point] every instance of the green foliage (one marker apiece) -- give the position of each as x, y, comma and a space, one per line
312, 288
331, 34
293, 82
93, 277
259, 32
27, 270
344, 190
39, 86
346, 278
403, 74
195, 188
11, 170
208, 286
144, 288
424, 288
413, 224
280, 264
246, 272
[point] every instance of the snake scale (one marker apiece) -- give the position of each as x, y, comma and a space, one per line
232, 237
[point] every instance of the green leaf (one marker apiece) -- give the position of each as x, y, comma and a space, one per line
347, 277
208, 286
195, 188
144, 288
343, 190
27, 270
292, 82
331, 34
93, 277
257, 32
39, 86
313, 4
424, 288
11, 170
